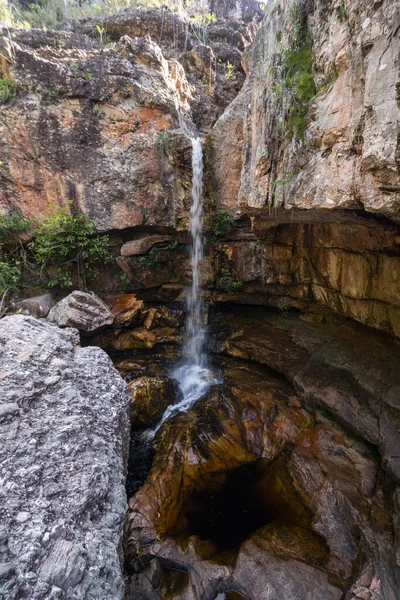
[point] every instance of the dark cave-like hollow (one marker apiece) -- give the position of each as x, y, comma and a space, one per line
227, 508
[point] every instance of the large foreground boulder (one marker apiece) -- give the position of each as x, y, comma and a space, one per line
63, 434
86, 312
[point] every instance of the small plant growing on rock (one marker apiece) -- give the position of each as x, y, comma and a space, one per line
88, 76
8, 90
223, 223
229, 70
227, 282
67, 242
14, 258
101, 33
341, 13
162, 144
99, 112
285, 309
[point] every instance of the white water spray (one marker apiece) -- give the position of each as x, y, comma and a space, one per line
193, 374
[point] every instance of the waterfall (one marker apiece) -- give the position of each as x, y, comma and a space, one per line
193, 373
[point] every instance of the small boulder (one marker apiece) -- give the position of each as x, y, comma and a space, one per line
143, 245
84, 311
38, 307
150, 397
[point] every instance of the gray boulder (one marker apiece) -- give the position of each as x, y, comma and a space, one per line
38, 307
63, 435
87, 312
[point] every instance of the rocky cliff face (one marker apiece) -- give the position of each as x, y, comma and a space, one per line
283, 482
63, 448
349, 155
292, 159
101, 125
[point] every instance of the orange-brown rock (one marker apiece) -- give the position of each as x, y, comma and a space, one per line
140, 327
126, 308
308, 487
150, 396
86, 126
143, 244
352, 268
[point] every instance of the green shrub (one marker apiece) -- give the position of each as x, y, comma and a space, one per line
66, 243
10, 276
298, 78
14, 258
285, 309
8, 90
294, 74
223, 223
227, 282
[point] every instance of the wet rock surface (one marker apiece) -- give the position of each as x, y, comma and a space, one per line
63, 445
150, 397
347, 265
274, 481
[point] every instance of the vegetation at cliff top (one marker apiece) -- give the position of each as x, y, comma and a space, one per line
51, 252
53, 13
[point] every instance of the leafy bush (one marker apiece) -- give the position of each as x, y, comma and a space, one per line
294, 74
14, 258
223, 223
227, 282
8, 90
67, 242
298, 77
10, 276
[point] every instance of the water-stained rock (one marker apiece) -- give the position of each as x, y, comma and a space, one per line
87, 312
62, 450
249, 478
150, 396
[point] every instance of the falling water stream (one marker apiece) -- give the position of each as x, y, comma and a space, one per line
192, 372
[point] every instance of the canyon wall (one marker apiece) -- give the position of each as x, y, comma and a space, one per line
314, 190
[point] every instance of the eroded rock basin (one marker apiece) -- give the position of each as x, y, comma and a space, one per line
281, 482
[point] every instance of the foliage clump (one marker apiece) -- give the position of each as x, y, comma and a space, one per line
223, 223
65, 244
227, 282
49, 253
294, 74
14, 257
8, 90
